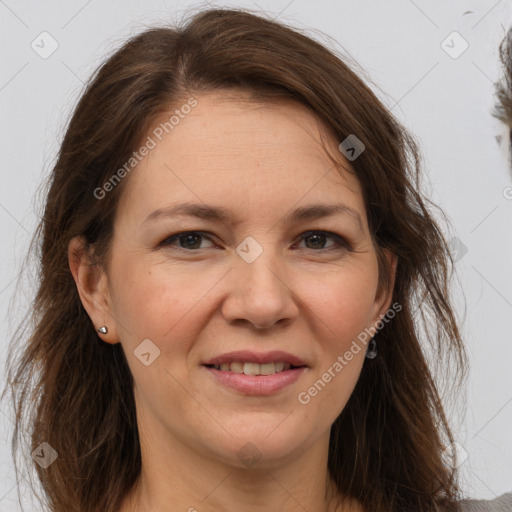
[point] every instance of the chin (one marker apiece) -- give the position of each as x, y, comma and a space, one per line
262, 448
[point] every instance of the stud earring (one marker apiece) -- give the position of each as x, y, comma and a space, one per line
371, 353
103, 330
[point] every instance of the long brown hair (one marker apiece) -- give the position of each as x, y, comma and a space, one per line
75, 392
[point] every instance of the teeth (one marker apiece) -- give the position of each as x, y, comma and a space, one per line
267, 368
237, 367
254, 368
279, 367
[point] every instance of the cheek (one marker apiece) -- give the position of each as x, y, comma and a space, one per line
343, 313
158, 302
163, 301
344, 303
343, 307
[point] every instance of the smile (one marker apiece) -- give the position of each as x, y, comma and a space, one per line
253, 368
251, 379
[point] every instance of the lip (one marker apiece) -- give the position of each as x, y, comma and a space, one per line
248, 356
262, 385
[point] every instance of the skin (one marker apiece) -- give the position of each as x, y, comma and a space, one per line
259, 161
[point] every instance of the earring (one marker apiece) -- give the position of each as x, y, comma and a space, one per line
371, 353
103, 330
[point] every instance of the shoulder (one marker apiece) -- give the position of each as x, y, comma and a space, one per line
500, 504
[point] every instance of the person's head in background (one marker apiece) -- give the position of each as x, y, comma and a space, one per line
503, 109
260, 111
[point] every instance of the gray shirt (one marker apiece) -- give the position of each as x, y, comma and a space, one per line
501, 504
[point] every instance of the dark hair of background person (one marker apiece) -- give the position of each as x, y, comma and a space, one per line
76, 393
503, 88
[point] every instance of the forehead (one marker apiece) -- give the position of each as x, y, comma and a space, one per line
232, 149
235, 125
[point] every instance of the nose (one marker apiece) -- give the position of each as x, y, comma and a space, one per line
260, 293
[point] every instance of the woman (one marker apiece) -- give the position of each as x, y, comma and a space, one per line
277, 361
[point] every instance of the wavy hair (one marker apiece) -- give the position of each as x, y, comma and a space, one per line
388, 447
503, 89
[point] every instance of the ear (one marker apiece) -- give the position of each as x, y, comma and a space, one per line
384, 294
92, 285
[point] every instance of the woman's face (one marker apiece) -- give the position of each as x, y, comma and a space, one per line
254, 283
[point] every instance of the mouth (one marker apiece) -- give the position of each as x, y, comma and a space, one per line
252, 373
254, 368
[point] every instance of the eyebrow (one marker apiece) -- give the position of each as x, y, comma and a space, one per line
219, 214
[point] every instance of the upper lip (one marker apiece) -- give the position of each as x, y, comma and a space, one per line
247, 356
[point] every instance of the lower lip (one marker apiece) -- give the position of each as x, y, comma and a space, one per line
257, 384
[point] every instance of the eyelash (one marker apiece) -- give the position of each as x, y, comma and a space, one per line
341, 242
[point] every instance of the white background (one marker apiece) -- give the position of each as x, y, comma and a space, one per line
445, 102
